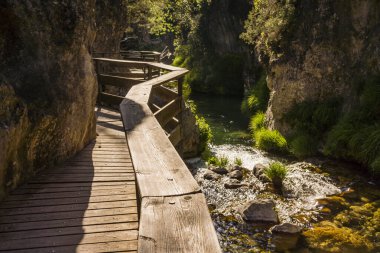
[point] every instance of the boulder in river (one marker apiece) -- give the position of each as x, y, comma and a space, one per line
233, 184
210, 175
260, 211
236, 174
259, 169
286, 228
219, 170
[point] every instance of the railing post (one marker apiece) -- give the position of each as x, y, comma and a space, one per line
100, 86
149, 72
180, 115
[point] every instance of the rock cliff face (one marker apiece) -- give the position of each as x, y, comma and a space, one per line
324, 51
47, 84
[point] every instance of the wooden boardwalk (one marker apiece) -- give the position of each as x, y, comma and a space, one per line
88, 204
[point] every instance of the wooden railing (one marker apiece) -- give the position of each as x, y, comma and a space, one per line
174, 216
134, 55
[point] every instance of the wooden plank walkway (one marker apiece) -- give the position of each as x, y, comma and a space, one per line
88, 204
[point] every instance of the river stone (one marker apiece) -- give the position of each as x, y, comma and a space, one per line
258, 170
236, 174
210, 175
233, 184
259, 211
286, 228
219, 170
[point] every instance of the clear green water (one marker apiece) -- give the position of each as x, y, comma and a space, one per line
222, 113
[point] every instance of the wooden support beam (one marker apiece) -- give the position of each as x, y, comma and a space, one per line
175, 135
118, 81
166, 113
109, 98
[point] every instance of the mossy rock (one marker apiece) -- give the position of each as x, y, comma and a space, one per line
327, 237
334, 203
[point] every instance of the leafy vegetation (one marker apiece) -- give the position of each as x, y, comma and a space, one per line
218, 161
257, 97
276, 172
270, 140
238, 161
257, 122
267, 25
310, 121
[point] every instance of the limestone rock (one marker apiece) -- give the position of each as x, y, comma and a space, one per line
210, 175
286, 228
260, 211
236, 174
48, 86
233, 184
219, 170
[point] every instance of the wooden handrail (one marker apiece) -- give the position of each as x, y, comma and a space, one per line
174, 216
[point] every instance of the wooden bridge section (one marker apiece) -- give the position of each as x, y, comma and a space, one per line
88, 204
127, 191
174, 216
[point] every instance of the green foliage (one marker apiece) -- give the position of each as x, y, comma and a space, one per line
223, 161
257, 97
238, 161
303, 145
218, 161
205, 134
257, 122
357, 135
270, 140
276, 172
267, 24
215, 74
314, 117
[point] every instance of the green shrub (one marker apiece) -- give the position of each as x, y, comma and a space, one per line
257, 122
213, 161
276, 170
218, 161
238, 161
257, 97
270, 140
303, 145
205, 133
223, 161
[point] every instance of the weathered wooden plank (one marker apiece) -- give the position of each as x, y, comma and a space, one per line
68, 240
176, 224
70, 207
125, 190
119, 246
118, 81
66, 201
164, 93
122, 63
166, 113
109, 98
55, 178
99, 164
78, 230
43, 189
76, 222
66, 215
175, 135
164, 173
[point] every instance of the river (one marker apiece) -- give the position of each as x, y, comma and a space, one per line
322, 197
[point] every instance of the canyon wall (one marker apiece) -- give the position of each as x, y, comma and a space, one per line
48, 86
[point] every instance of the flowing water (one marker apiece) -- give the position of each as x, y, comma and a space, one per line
305, 187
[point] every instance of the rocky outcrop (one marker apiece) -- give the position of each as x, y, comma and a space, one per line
320, 50
47, 83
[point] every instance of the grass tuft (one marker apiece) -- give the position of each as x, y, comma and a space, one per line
270, 140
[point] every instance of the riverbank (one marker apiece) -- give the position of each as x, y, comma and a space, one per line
328, 200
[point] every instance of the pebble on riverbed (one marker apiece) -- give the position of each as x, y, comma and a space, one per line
219, 170
236, 174
259, 210
210, 175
